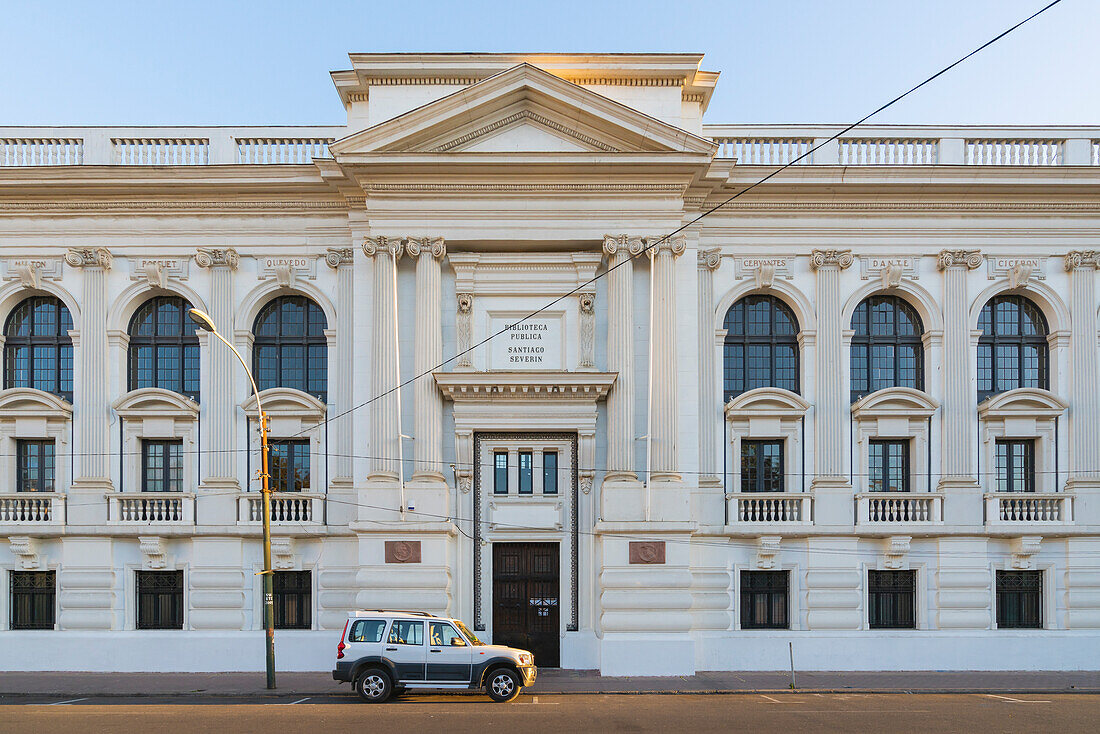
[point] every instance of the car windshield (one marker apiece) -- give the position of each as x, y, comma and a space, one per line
469, 635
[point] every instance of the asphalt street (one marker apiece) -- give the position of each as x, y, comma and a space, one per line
779, 712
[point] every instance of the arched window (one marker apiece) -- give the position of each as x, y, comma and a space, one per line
291, 349
38, 351
1012, 350
164, 351
761, 348
886, 347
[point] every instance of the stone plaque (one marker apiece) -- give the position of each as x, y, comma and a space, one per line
647, 551
535, 344
402, 551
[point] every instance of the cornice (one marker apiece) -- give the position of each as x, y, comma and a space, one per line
169, 206
909, 206
480, 386
639, 188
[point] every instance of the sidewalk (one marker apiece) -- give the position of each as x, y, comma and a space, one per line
562, 681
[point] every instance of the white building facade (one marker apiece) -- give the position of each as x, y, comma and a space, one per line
853, 411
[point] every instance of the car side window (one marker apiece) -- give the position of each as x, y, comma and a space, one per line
406, 633
444, 635
367, 630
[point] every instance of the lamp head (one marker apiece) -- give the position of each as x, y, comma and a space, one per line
201, 319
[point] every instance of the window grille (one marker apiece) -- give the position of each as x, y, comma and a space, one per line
764, 600
891, 599
33, 595
38, 351
293, 600
1020, 599
159, 600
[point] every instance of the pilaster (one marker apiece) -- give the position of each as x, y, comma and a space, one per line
428, 353
342, 260
385, 408
1084, 403
664, 413
710, 407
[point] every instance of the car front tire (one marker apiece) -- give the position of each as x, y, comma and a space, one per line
374, 686
503, 685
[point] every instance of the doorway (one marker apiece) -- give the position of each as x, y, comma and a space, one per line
526, 591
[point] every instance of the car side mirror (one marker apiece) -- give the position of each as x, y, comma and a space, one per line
456, 642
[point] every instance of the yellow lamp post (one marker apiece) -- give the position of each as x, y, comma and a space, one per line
205, 323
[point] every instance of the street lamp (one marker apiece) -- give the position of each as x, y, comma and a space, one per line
204, 322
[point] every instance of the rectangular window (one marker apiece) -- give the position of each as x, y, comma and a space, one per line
526, 472
761, 466
764, 600
1020, 599
1015, 464
159, 600
500, 472
888, 466
162, 466
36, 466
32, 600
891, 599
549, 472
293, 600
288, 463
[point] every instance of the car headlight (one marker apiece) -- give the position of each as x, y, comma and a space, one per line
526, 658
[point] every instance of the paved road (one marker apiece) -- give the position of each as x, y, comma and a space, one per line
896, 713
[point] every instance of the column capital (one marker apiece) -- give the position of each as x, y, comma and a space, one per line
612, 243
431, 246
1082, 259
710, 259
87, 257
970, 259
375, 245
337, 256
217, 258
676, 245
824, 258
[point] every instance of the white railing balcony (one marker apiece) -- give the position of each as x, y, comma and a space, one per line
1013, 152
41, 151
281, 150
32, 508
151, 508
888, 151
770, 508
899, 508
287, 508
764, 151
162, 151
1030, 508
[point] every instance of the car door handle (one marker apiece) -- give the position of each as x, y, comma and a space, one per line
437, 651
391, 649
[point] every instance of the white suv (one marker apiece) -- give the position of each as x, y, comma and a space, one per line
383, 651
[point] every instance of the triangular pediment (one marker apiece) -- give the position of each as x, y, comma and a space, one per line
522, 110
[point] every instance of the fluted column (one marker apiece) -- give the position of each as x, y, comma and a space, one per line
620, 250
664, 428
92, 398
1084, 404
958, 390
832, 406
342, 260
385, 411
428, 353
710, 409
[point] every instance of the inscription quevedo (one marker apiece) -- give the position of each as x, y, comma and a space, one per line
530, 345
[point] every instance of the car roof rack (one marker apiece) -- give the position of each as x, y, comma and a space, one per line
411, 612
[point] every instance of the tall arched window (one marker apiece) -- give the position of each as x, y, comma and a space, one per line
291, 349
38, 351
1012, 350
886, 347
164, 351
761, 348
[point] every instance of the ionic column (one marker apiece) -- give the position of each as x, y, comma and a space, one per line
832, 404
664, 422
956, 455
709, 405
620, 250
428, 353
92, 392
219, 410
385, 411
342, 260
1084, 403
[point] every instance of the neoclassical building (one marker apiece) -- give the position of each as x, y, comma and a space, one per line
854, 411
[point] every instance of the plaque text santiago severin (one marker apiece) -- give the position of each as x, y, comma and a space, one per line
534, 344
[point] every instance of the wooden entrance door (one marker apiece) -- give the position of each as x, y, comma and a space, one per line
526, 590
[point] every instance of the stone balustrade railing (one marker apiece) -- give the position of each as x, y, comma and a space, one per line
767, 508
287, 508
32, 508
1018, 508
153, 508
899, 508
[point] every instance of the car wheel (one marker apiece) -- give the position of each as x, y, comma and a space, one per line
374, 686
502, 685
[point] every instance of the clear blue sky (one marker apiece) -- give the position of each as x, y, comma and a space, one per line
797, 61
